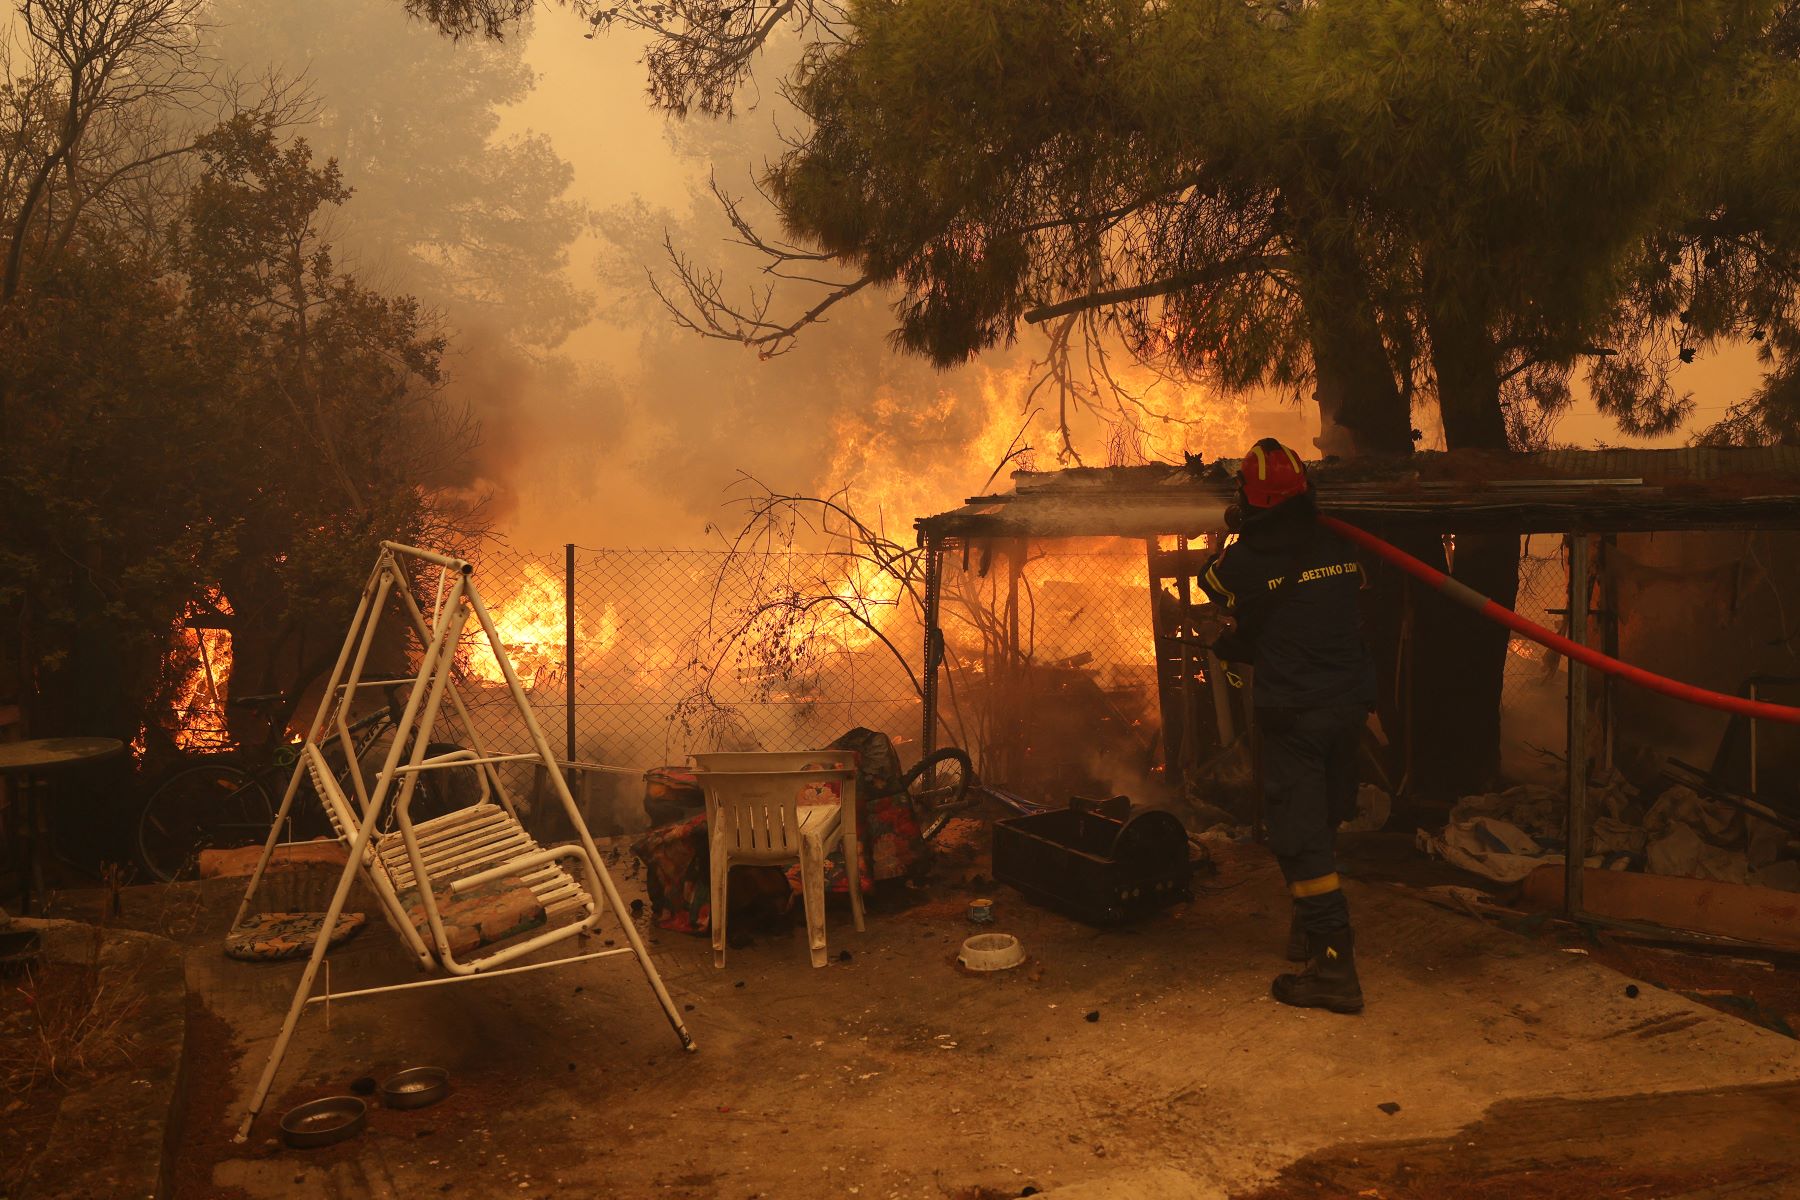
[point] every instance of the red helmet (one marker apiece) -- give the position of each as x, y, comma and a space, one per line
1271, 474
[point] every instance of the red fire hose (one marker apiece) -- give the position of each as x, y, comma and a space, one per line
1470, 598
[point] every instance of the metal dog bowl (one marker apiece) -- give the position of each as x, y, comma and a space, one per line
416, 1087
323, 1122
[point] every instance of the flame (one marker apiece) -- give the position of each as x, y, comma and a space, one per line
199, 660
973, 440
1526, 649
531, 622
866, 601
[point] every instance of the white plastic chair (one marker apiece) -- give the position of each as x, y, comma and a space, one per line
757, 818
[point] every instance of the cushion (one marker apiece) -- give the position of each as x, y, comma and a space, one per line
495, 911
241, 861
271, 937
825, 791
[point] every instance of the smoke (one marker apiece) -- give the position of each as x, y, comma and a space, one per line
540, 419
524, 189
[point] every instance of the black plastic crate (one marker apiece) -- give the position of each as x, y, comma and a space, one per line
1097, 861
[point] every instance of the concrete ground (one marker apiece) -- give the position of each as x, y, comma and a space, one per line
1142, 1063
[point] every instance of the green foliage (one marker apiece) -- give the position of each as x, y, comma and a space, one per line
233, 412
471, 220
1474, 197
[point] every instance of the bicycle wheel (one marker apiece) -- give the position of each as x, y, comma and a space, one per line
214, 806
938, 787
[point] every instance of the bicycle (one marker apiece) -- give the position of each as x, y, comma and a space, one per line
939, 786
230, 800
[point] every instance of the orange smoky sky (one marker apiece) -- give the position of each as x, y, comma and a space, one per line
683, 417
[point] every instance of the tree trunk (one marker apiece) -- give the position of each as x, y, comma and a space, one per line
1362, 409
1468, 377
1363, 412
1461, 658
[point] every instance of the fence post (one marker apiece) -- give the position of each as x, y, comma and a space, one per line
934, 579
569, 649
1606, 568
1576, 824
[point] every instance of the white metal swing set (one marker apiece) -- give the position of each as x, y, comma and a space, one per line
431, 864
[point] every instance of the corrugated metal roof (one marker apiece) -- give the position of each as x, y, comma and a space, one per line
1695, 463
1695, 487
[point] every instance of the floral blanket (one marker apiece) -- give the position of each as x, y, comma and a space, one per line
678, 865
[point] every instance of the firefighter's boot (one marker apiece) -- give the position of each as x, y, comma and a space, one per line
1327, 981
1299, 946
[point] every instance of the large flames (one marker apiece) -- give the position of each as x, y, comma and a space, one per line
532, 623
865, 601
957, 443
803, 630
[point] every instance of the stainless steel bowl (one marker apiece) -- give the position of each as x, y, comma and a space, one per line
415, 1087
323, 1122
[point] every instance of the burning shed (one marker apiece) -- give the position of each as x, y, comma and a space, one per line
1675, 560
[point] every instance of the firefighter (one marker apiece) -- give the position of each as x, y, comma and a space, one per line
1292, 588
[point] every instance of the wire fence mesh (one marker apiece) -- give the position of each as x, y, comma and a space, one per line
1048, 672
1543, 597
682, 651
1048, 681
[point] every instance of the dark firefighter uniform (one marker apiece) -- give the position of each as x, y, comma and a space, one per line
1293, 588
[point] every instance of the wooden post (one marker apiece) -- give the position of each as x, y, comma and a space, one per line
1578, 725
1609, 645
934, 641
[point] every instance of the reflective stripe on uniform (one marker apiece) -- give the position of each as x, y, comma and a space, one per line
1212, 577
1303, 888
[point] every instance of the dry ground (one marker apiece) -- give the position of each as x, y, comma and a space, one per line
893, 1074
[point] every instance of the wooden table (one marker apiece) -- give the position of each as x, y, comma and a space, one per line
27, 764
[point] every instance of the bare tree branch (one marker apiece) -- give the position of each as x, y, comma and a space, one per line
1158, 287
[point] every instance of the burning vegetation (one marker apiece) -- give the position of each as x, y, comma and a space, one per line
196, 675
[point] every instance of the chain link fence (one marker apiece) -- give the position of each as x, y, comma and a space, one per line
1048, 680
1048, 677
682, 651
1543, 597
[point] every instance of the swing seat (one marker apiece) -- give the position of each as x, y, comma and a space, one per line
481, 916
469, 892
274, 936
483, 839
471, 840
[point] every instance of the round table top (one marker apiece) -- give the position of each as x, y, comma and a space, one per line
41, 754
